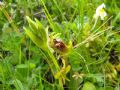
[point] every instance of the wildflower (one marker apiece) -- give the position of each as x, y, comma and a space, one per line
1, 3
77, 76
59, 46
100, 12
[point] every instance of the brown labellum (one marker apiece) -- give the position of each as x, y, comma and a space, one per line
58, 44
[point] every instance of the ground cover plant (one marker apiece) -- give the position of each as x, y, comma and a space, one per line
59, 45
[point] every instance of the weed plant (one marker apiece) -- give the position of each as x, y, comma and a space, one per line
59, 45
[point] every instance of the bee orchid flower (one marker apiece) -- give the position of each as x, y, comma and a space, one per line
100, 12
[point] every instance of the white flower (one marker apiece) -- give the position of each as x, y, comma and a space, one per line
100, 12
1, 3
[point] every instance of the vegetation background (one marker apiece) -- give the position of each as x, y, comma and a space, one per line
64, 48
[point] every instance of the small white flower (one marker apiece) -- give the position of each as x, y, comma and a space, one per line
100, 12
1, 3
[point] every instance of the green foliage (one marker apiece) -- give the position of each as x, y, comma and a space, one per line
37, 34
88, 86
59, 45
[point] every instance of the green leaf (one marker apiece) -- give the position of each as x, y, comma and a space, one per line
22, 69
42, 30
32, 25
37, 33
38, 41
88, 86
18, 84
